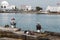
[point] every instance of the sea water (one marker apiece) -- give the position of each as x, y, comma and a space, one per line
27, 21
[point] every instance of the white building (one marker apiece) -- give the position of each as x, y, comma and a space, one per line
26, 7
4, 5
53, 8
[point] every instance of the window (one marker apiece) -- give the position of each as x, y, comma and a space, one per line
1, 6
4, 6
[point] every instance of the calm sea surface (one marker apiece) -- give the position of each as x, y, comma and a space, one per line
29, 21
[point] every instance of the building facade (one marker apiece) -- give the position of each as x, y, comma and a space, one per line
26, 7
53, 8
4, 5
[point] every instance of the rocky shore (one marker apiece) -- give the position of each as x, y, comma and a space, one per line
20, 35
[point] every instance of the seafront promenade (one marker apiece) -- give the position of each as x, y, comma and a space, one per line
12, 33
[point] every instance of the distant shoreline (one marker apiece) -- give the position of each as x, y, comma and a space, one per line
30, 12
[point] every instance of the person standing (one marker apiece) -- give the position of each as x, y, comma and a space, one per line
13, 23
38, 27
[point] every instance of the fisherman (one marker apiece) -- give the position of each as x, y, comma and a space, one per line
38, 27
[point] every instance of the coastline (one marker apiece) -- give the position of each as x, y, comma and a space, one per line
31, 12
20, 35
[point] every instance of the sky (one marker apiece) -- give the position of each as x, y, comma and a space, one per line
33, 3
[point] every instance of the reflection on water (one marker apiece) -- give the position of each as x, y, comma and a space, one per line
29, 21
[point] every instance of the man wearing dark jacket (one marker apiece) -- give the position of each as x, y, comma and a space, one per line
38, 27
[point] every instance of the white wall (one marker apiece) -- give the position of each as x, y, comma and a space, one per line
25, 7
53, 8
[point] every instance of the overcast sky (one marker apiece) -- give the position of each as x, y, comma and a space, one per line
33, 3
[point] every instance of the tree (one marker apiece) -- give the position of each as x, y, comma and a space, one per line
38, 8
